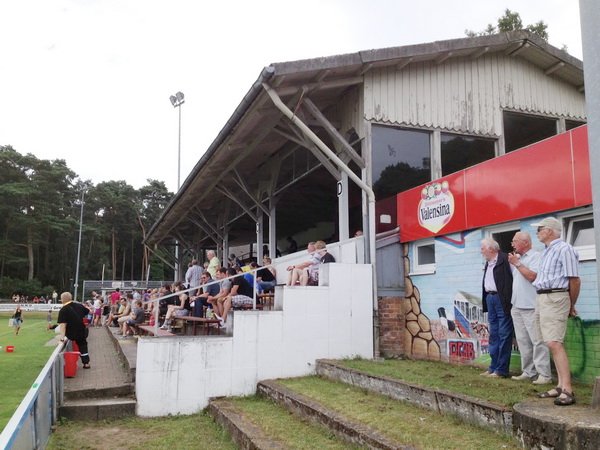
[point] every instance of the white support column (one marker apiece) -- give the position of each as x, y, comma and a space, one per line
224, 249
272, 228
343, 216
259, 237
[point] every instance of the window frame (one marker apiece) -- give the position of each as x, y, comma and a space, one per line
586, 252
417, 267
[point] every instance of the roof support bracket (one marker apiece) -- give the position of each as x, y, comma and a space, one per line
334, 133
233, 197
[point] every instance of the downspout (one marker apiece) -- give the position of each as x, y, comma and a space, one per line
366, 188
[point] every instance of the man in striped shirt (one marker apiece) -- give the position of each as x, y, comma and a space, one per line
557, 285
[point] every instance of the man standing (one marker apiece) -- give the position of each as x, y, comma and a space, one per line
557, 285
535, 357
192, 276
213, 263
70, 319
497, 293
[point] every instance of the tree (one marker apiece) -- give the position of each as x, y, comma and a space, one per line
511, 21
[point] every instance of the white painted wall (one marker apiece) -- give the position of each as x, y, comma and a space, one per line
179, 375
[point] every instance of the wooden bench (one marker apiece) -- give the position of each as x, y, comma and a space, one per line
150, 330
207, 324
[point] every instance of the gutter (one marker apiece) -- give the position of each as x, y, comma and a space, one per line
365, 187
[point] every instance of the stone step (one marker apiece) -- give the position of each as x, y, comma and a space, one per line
468, 409
245, 433
92, 409
350, 431
125, 390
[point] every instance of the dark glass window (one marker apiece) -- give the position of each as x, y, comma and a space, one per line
426, 254
401, 160
521, 130
504, 239
570, 124
460, 152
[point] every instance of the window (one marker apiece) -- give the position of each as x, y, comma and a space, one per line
570, 124
401, 160
580, 234
460, 152
521, 130
424, 256
503, 235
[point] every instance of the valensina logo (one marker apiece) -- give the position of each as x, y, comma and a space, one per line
436, 207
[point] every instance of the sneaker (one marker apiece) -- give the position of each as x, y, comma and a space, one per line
521, 377
170, 330
164, 326
218, 317
542, 380
487, 373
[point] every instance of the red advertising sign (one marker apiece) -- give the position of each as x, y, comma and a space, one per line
543, 178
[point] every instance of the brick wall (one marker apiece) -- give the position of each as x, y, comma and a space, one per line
391, 326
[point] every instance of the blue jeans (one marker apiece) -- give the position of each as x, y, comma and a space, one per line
266, 285
501, 333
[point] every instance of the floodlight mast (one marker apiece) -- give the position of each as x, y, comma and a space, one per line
177, 100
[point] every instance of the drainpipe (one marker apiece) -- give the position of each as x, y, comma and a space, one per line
365, 187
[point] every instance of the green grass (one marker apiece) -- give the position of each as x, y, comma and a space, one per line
282, 426
463, 379
196, 431
401, 422
21, 368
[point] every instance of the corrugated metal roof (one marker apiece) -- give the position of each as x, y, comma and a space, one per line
248, 141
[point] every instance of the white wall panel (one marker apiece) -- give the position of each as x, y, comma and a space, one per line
179, 375
466, 95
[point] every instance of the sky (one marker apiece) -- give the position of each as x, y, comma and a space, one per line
89, 81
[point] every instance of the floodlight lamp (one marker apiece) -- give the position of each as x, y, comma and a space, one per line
180, 97
173, 100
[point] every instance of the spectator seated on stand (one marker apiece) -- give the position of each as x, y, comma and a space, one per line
266, 277
301, 272
201, 300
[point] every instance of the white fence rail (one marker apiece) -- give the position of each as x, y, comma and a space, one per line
31, 424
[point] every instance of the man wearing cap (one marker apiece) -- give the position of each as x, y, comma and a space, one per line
535, 357
496, 297
557, 284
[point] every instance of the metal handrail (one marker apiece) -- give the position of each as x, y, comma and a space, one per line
185, 291
11, 434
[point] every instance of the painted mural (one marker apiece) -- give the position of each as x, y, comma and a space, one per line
445, 319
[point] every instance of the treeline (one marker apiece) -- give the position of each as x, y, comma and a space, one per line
40, 206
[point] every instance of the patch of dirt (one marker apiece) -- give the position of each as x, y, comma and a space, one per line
97, 437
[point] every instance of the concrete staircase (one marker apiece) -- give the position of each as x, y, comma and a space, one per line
106, 391
535, 423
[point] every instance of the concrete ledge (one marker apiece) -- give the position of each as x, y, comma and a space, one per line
538, 423
116, 391
244, 433
468, 409
97, 409
127, 350
350, 431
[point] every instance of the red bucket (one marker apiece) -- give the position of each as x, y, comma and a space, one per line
10, 348
71, 364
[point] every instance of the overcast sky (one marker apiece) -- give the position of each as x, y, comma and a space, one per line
89, 81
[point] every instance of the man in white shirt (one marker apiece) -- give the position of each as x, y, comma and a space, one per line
535, 357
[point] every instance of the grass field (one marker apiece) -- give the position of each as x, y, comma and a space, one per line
18, 370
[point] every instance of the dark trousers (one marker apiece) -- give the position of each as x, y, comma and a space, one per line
501, 334
83, 350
